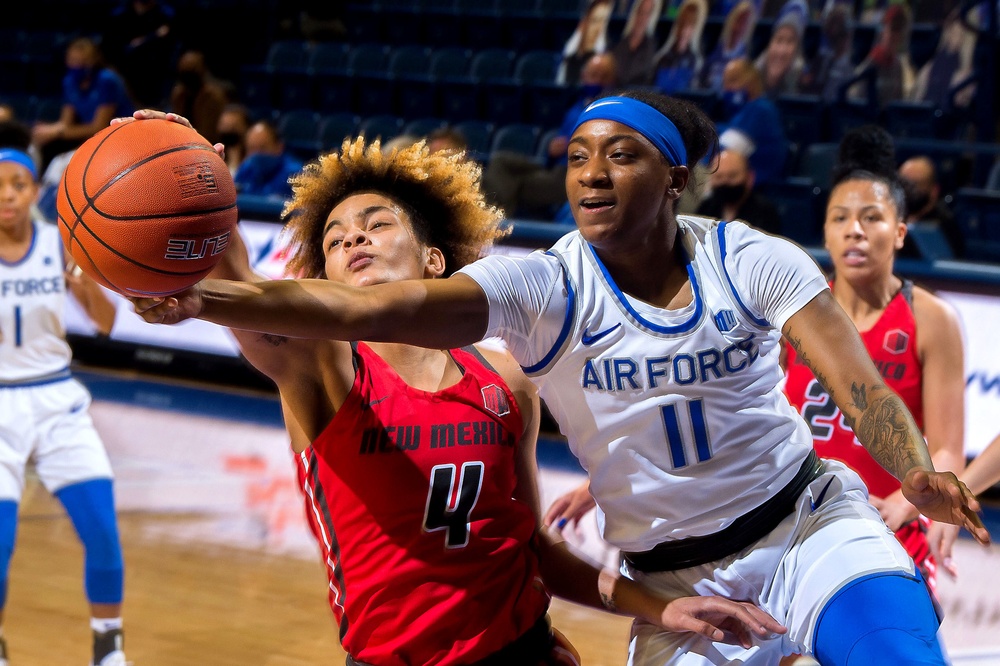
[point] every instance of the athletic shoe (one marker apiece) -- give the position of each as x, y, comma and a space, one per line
109, 648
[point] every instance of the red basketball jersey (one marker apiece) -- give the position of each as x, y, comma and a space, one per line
892, 345
410, 495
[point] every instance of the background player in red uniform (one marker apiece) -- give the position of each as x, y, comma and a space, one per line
913, 336
418, 464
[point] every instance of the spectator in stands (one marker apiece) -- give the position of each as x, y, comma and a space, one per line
753, 123
636, 48
679, 61
589, 39
733, 196
924, 204
267, 166
398, 142
520, 185
950, 66
888, 63
733, 43
781, 63
832, 65
199, 96
93, 94
231, 132
140, 42
7, 112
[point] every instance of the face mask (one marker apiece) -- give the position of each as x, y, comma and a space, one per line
190, 80
78, 74
730, 194
733, 100
917, 201
230, 139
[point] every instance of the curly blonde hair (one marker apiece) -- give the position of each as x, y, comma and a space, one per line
441, 193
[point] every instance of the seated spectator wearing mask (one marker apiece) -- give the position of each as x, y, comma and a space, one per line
231, 131
753, 126
198, 96
924, 205
732, 195
267, 167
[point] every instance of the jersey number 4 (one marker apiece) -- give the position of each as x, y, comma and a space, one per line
699, 428
449, 511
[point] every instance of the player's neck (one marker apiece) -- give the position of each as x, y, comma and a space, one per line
15, 240
864, 299
424, 369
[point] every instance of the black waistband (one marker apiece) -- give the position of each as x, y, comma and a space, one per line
693, 551
529, 648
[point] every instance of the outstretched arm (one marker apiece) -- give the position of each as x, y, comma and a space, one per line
825, 339
439, 314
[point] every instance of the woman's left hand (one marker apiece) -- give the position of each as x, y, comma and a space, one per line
941, 496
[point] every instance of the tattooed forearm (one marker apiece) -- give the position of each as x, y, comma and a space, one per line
274, 340
796, 344
886, 429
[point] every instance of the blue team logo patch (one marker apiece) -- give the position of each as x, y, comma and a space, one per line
725, 320
896, 341
47, 261
495, 400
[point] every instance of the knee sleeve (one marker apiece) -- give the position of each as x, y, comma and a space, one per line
91, 507
885, 618
8, 531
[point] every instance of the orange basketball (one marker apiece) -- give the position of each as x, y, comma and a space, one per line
147, 207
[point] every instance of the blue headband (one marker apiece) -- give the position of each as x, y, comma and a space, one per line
644, 119
20, 157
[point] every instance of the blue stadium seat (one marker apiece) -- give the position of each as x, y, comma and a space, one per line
929, 240
300, 131
450, 63
369, 59
917, 120
287, 55
549, 103
706, 100
537, 67
503, 102
335, 127
978, 214
845, 115
478, 136
816, 163
800, 206
410, 62
384, 126
804, 118
492, 64
516, 137
542, 149
328, 57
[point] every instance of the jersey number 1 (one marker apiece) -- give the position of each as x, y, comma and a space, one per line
699, 427
440, 514
17, 327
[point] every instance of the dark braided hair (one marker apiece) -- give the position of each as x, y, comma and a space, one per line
868, 153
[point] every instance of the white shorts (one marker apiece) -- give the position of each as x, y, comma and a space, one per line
50, 425
791, 573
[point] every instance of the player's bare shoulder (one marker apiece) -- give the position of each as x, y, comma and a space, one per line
507, 367
937, 319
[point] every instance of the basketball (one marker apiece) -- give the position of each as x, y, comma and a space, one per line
146, 208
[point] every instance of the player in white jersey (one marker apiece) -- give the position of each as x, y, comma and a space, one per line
654, 343
43, 410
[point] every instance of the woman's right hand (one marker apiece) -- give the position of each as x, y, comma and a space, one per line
570, 508
174, 309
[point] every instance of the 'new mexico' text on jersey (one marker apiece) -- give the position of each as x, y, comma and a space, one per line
410, 495
32, 302
653, 400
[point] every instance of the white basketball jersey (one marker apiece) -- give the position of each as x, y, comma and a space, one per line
654, 401
32, 302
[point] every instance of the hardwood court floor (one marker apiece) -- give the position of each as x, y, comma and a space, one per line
200, 604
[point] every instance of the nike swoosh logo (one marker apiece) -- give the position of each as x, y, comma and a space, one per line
368, 405
589, 339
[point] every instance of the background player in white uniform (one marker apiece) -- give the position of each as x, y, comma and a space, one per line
43, 410
653, 341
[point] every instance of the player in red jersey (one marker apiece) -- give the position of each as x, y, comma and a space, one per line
417, 464
913, 336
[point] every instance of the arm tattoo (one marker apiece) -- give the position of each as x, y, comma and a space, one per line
884, 429
274, 340
609, 601
796, 344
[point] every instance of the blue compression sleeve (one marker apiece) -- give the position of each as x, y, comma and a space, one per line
884, 618
91, 507
8, 530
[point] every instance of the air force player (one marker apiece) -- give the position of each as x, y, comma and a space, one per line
654, 342
43, 410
